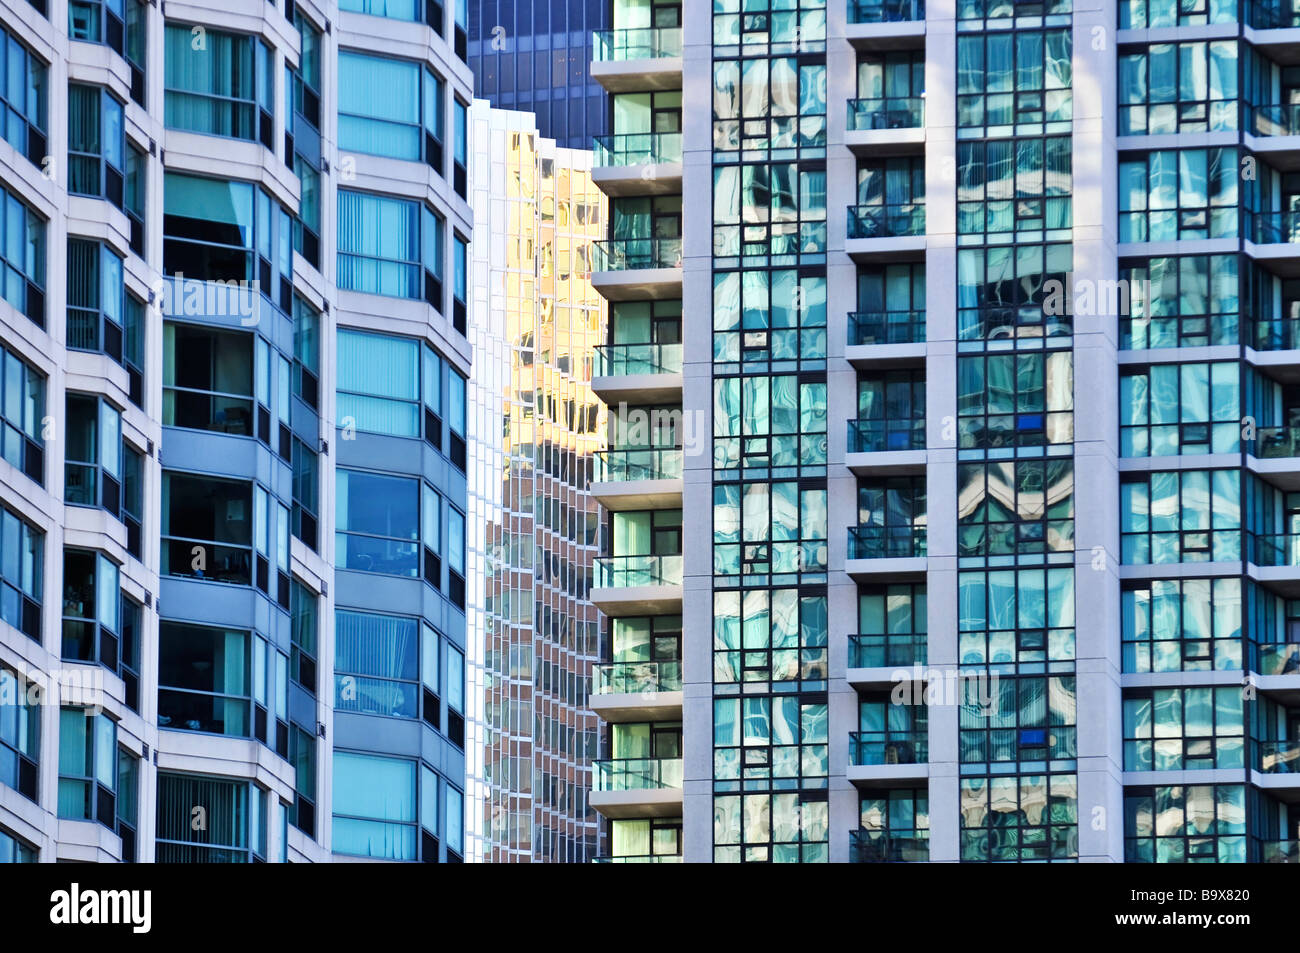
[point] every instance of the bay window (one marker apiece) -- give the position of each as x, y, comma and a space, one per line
96, 144
388, 524
234, 813
96, 298
207, 530
302, 661
376, 664
22, 412
22, 257
87, 767
22, 570
390, 246
219, 84
390, 108
23, 99
92, 608
93, 470
207, 379
20, 725
374, 806
306, 352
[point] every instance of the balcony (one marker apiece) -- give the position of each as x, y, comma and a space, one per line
886, 447
638, 787
638, 585
883, 847
638, 373
1275, 658
1275, 455
891, 126
642, 163
1277, 764
1274, 131
885, 233
885, 339
1278, 851
639, 479
886, 24
893, 756
881, 661
638, 691
637, 60
875, 551
624, 269
1274, 237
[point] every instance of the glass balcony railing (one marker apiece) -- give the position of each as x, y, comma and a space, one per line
890, 112
1278, 119
618, 466
886, 11
623, 571
1275, 658
886, 542
884, 847
1278, 757
887, 651
618, 360
643, 43
1271, 15
883, 436
886, 327
638, 774
1273, 549
886, 221
1279, 851
641, 859
894, 747
625, 678
638, 148
1272, 228
627, 254
1272, 443
1275, 334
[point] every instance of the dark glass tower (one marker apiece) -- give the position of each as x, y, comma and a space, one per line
533, 55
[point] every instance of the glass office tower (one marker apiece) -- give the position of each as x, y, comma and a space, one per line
534, 56
234, 355
536, 430
967, 268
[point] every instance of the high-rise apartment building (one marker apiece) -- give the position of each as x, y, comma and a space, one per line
535, 432
233, 496
534, 56
966, 530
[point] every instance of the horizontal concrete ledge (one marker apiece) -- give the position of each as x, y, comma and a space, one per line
641, 75
637, 706
652, 802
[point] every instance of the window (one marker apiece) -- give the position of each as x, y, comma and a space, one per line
1015, 186
98, 21
93, 471
645, 840
394, 9
20, 725
460, 268
204, 679
390, 108
220, 230
306, 483
455, 697
1187, 516
783, 643
22, 551
1140, 14
378, 520
893, 827
456, 414
133, 498
96, 298
219, 84
137, 46
22, 258
1020, 818
1014, 82
16, 851
456, 555
1178, 87
1178, 194
129, 662
891, 518
302, 755
306, 80
764, 422
128, 802
889, 733
379, 383
1025, 719
460, 146
891, 412
781, 102
136, 190
23, 100
133, 331
1017, 619
762, 317
1172, 409
96, 144
1181, 625
1193, 823
374, 806
1008, 508
1184, 301
87, 767
377, 664
1015, 400
389, 246
1184, 729
92, 606
207, 528
22, 416
455, 824
303, 611
891, 625
234, 815
208, 379
461, 39
306, 352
